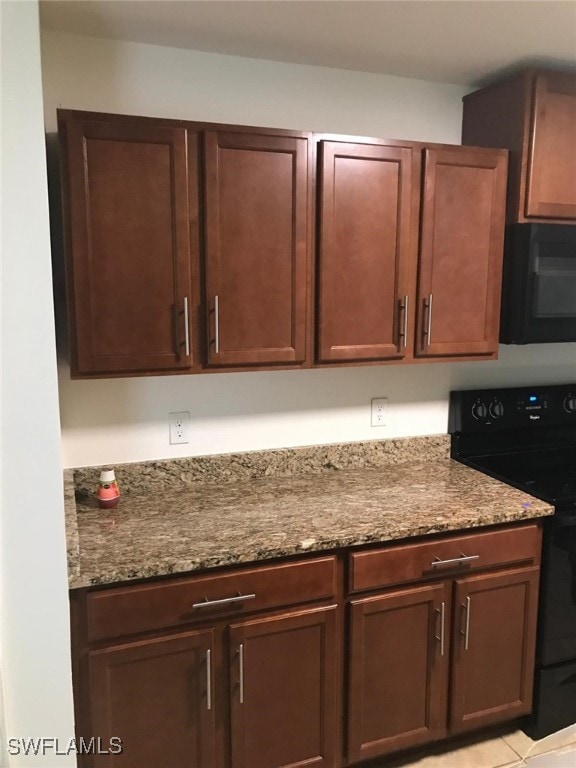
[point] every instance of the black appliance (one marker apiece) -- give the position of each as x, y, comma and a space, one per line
526, 437
539, 284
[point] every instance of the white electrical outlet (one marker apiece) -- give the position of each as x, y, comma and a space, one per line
179, 427
378, 412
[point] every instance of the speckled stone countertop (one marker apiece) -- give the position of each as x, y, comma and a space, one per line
204, 525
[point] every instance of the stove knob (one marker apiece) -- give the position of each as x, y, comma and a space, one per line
570, 404
496, 409
479, 410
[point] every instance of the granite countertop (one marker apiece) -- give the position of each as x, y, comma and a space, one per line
205, 525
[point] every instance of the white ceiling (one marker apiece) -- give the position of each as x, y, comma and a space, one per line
452, 41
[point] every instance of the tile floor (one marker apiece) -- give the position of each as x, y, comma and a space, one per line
500, 749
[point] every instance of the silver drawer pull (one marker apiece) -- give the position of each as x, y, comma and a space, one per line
440, 639
241, 680
186, 327
428, 331
454, 560
217, 324
223, 601
208, 679
466, 632
403, 334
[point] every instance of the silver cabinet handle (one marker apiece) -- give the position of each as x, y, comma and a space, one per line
466, 632
441, 611
241, 679
208, 679
404, 332
223, 601
186, 327
454, 560
217, 324
428, 331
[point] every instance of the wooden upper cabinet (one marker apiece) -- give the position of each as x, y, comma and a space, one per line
366, 241
533, 114
190, 245
551, 184
256, 237
129, 264
461, 248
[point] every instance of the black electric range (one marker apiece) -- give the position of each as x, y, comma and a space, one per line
526, 437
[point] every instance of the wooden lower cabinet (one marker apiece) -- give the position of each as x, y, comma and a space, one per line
283, 691
442, 659
156, 695
493, 648
398, 670
175, 702
250, 667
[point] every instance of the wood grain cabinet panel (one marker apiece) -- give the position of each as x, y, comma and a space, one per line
284, 681
154, 695
455, 655
551, 187
366, 244
452, 556
398, 670
532, 114
190, 246
416, 663
257, 252
494, 645
261, 691
129, 264
461, 250
155, 606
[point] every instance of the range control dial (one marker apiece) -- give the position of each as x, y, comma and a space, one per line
496, 409
479, 410
570, 403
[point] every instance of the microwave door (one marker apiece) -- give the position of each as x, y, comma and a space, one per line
539, 286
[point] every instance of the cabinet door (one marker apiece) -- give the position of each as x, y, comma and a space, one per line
284, 682
398, 670
256, 248
129, 272
494, 644
158, 697
551, 178
461, 252
366, 239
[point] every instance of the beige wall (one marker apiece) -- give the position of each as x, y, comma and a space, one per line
127, 420
35, 634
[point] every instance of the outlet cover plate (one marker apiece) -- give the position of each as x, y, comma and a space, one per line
378, 411
179, 427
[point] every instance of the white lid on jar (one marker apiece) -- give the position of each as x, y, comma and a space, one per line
107, 476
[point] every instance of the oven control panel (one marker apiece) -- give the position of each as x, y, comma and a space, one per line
485, 410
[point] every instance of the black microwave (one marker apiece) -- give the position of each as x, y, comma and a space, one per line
539, 284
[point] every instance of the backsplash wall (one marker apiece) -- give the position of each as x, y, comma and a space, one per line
122, 420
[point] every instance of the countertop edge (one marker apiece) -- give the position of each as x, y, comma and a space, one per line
196, 567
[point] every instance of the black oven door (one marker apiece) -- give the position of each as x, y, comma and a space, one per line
557, 625
539, 284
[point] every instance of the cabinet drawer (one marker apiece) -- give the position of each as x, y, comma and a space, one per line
454, 555
129, 610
